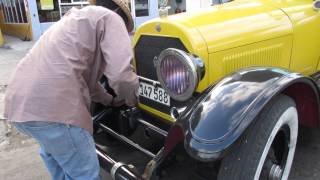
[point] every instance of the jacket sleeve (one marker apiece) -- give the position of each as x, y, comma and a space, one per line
117, 52
101, 95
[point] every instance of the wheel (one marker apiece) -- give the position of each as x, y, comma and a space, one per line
266, 150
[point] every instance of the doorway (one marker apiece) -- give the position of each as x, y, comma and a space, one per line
144, 10
44, 13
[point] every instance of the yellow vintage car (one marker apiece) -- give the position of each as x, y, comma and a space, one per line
222, 93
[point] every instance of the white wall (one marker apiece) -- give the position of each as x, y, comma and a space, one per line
205, 3
173, 6
194, 5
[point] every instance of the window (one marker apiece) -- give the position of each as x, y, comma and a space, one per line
14, 11
48, 10
142, 8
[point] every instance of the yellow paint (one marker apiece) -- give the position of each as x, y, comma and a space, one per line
239, 23
1, 38
269, 53
306, 44
221, 27
188, 35
22, 31
156, 112
245, 33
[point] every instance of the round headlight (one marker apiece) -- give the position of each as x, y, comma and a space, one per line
177, 73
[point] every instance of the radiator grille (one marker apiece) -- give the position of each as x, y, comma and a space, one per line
149, 47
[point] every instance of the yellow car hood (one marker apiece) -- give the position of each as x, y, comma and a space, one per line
226, 26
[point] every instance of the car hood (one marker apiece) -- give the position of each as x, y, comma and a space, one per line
231, 24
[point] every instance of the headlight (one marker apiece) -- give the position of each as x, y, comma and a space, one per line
179, 73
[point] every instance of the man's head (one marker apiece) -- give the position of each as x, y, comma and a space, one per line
121, 7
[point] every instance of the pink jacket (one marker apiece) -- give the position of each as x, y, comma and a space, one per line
58, 78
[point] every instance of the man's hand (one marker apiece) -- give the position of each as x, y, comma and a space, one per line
133, 102
117, 102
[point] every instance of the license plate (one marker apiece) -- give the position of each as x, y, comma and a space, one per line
154, 93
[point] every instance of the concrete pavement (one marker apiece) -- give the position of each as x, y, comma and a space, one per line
19, 157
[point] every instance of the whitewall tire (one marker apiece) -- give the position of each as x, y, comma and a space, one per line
266, 150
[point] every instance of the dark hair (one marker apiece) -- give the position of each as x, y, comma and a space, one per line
112, 6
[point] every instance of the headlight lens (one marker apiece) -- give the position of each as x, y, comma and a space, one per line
177, 73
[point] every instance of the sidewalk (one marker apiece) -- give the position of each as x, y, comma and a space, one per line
12, 51
19, 157
10, 54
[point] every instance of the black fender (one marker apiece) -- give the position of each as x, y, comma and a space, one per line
225, 110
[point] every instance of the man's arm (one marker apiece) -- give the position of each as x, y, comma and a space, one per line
101, 95
117, 52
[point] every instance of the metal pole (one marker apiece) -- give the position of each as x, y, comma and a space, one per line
19, 3
4, 11
152, 127
125, 140
2, 7
11, 10
15, 8
60, 9
7, 12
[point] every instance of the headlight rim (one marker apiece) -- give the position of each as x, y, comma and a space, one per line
187, 60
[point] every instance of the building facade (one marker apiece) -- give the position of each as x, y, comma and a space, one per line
29, 19
14, 18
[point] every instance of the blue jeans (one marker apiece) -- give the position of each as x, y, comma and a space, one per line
68, 151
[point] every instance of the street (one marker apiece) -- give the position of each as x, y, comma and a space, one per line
19, 157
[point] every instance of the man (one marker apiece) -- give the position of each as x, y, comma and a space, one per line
49, 94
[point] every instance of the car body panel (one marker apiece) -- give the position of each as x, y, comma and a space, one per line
269, 53
240, 23
221, 27
229, 107
157, 112
306, 43
187, 34
195, 44
241, 34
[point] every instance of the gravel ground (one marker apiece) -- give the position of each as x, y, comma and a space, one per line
19, 157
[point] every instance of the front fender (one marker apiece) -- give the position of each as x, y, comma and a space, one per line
226, 109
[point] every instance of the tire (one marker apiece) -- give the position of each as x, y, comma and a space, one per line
266, 150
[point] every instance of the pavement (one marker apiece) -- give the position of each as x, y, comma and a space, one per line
19, 157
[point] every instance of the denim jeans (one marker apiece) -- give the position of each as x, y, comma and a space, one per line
68, 151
